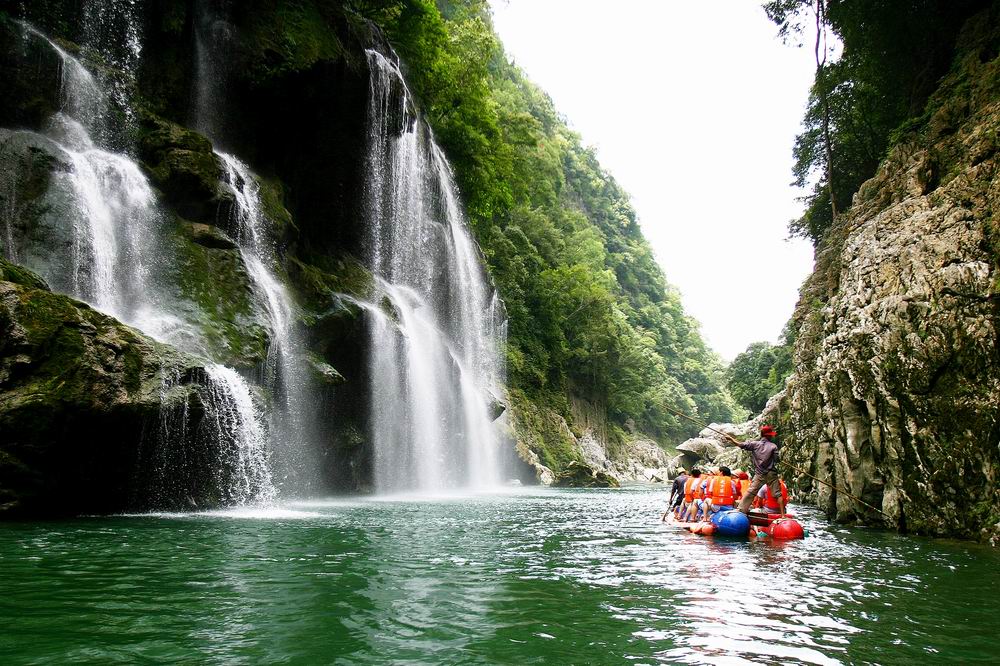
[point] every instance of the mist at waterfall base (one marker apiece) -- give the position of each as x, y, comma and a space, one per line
435, 322
531, 577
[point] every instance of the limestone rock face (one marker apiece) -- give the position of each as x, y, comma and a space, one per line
896, 394
587, 443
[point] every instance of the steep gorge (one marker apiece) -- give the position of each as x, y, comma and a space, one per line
896, 392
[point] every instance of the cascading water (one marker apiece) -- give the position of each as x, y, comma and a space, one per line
233, 411
436, 324
285, 373
115, 242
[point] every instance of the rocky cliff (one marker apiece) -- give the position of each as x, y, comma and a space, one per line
82, 401
896, 393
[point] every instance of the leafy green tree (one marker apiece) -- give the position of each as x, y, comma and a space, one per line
758, 373
894, 54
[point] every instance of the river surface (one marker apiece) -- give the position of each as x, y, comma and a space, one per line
536, 576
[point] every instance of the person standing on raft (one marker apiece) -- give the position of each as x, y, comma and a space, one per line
764, 456
676, 493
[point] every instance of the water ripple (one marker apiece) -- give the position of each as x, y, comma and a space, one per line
537, 576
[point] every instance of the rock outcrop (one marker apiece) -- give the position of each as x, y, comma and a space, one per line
78, 390
896, 393
582, 475
587, 444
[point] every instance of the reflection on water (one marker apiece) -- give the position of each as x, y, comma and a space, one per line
531, 577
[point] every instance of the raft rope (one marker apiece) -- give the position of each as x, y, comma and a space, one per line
800, 471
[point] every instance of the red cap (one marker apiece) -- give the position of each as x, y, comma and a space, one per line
768, 431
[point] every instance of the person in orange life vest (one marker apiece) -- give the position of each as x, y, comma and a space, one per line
721, 492
700, 502
764, 456
742, 480
768, 501
692, 493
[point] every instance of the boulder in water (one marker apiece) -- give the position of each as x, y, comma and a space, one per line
19, 275
703, 447
581, 475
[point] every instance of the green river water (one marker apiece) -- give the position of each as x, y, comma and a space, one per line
536, 576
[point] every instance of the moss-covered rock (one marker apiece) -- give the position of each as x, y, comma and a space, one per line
324, 372
19, 275
221, 302
582, 475
81, 397
210, 237
184, 167
542, 430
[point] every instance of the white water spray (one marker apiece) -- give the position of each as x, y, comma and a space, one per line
435, 354
285, 374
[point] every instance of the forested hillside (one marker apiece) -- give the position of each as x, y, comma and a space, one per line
591, 314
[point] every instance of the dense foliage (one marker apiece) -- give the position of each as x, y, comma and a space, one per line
894, 54
591, 314
758, 373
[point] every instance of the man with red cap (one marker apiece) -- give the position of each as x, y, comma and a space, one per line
764, 456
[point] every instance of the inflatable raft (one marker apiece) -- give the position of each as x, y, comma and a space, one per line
776, 526
736, 524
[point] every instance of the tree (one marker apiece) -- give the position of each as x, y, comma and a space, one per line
758, 373
892, 58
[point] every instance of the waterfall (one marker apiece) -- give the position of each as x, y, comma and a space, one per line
436, 324
115, 252
245, 472
286, 375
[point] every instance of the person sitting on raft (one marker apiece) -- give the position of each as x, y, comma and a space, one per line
742, 480
676, 494
720, 493
692, 494
767, 501
764, 456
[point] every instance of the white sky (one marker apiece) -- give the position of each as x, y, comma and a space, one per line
693, 108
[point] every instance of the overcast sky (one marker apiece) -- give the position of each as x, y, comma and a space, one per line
693, 108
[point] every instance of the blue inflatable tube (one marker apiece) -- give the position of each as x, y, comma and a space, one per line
731, 523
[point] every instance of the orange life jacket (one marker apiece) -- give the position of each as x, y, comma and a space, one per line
744, 484
770, 501
706, 480
721, 490
692, 489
